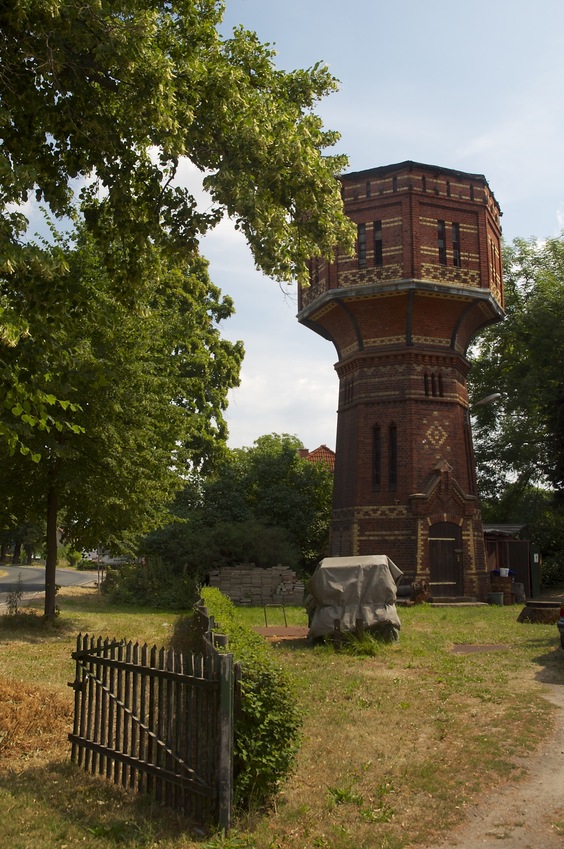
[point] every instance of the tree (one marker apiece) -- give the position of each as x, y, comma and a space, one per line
290, 492
519, 441
147, 390
263, 504
100, 100
521, 437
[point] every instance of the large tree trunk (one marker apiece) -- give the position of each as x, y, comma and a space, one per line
28, 554
51, 559
3, 553
16, 554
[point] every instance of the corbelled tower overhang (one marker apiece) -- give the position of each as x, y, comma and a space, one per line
401, 312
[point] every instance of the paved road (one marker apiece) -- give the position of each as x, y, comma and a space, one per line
33, 579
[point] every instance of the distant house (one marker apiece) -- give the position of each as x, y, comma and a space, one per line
323, 454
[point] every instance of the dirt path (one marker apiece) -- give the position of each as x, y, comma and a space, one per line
528, 814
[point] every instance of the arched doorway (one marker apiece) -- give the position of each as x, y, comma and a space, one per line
445, 558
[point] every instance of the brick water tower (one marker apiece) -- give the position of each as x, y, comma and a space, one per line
401, 313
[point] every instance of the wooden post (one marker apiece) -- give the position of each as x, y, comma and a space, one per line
220, 641
225, 743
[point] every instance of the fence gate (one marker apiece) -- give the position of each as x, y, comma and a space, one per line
157, 721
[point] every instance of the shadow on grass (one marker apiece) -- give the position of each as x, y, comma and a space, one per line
551, 665
297, 644
62, 795
30, 626
185, 637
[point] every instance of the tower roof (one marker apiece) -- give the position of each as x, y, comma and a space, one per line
410, 165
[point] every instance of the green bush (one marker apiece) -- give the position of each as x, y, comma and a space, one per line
268, 722
151, 582
552, 574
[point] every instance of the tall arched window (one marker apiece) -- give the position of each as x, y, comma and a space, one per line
376, 458
361, 245
456, 257
393, 458
378, 244
441, 242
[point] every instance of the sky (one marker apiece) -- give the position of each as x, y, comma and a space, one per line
475, 86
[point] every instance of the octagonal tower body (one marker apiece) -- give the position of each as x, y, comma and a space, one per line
401, 313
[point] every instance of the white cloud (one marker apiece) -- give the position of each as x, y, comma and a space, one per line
280, 396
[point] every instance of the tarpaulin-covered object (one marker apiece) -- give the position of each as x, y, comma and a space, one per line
351, 589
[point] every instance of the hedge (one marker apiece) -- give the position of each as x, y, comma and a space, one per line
268, 723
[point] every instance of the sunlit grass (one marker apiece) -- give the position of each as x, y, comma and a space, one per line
273, 615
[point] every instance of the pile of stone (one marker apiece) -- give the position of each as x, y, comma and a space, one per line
251, 585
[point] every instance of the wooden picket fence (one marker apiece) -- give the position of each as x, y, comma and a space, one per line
157, 721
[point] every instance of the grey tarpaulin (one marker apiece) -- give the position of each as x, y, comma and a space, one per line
351, 588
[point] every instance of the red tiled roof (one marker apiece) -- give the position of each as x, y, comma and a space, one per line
323, 454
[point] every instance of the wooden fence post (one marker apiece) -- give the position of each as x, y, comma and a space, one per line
225, 747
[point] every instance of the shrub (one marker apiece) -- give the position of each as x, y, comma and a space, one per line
268, 722
152, 583
552, 574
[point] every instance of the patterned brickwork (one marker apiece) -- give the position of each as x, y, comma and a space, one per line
401, 316
449, 276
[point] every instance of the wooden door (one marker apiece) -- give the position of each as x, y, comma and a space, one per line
445, 555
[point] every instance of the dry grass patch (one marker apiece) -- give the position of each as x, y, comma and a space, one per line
34, 723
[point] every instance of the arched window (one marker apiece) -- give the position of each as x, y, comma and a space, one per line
376, 458
441, 242
393, 458
361, 245
378, 244
456, 259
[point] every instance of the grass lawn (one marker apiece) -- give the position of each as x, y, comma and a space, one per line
395, 745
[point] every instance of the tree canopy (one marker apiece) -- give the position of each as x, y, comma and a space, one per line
100, 103
521, 437
519, 440
117, 92
264, 504
146, 393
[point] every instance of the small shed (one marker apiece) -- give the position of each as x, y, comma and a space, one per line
353, 589
506, 550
